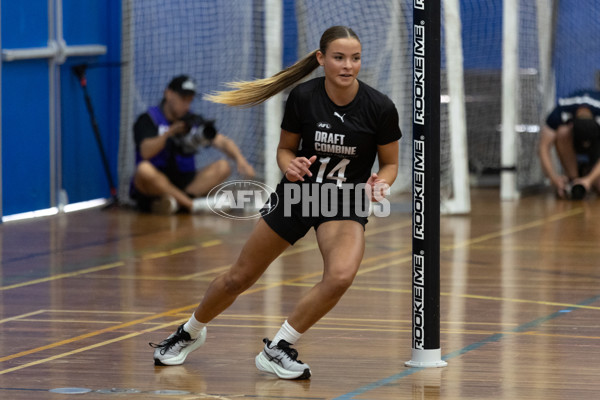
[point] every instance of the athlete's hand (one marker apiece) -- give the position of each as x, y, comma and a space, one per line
298, 168
377, 188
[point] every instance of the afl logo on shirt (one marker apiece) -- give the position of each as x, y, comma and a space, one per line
323, 125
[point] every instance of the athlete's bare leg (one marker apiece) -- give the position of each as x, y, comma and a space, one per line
263, 246
342, 245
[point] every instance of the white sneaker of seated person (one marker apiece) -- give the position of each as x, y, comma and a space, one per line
165, 205
205, 204
200, 205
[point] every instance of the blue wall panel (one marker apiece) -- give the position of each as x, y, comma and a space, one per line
25, 121
26, 181
84, 177
24, 23
25, 138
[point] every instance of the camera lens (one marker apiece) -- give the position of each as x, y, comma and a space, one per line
578, 192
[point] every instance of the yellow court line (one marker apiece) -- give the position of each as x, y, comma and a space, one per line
345, 328
70, 321
161, 254
17, 317
292, 251
136, 277
354, 321
581, 249
473, 296
513, 300
409, 329
65, 275
179, 250
255, 317
57, 310
30, 314
518, 228
95, 333
127, 324
210, 243
166, 313
513, 333
467, 296
82, 349
206, 272
184, 249
250, 291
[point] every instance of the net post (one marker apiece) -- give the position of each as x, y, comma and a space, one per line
510, 92
273, 110
426, 351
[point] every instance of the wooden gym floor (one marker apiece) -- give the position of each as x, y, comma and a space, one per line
82, 294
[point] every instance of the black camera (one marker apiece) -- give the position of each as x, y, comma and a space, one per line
576, 191
199, 132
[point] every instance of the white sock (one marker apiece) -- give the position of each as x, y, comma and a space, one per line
200, 204
287, 333
193, 327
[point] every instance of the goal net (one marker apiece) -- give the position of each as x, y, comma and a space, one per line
484, 84
212, 42
218, 42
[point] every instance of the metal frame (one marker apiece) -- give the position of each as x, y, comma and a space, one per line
56, 52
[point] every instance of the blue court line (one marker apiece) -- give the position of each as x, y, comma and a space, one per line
474, 346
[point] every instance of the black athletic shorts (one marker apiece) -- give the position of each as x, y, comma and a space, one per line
292, 218
586, 141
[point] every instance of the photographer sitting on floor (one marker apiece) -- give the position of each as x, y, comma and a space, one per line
167, 138
573, 129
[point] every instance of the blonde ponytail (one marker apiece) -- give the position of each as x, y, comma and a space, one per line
251, 93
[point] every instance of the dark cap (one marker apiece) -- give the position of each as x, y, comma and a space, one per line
183, 85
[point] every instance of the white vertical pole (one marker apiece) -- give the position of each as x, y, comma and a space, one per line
126, 145
546, 11
510, 98
273, 106
461, 199
61, 195
54, 186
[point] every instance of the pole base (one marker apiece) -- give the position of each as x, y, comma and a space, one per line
426, 359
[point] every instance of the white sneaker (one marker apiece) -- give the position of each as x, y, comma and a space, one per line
200, 205
174, 349
165, 205
281, 360
206, 204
